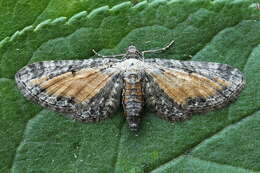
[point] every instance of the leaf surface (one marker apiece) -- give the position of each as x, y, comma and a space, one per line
226, 140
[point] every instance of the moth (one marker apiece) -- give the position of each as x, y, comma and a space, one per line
90, 90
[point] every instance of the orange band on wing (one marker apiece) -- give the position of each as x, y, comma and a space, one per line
81, 85
181, 85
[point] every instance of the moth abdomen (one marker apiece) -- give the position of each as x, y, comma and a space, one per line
132, 99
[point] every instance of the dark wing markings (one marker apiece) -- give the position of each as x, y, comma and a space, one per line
201, 88
80, 91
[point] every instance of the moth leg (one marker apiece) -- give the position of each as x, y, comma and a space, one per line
107, 56
159, 50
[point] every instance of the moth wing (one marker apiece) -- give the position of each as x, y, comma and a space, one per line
178, 89
88, 90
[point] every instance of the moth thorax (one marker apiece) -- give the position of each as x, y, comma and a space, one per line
133, 99
132, 77
132, 56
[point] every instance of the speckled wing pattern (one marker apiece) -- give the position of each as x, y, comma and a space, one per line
90, 90
178, 89
85, 89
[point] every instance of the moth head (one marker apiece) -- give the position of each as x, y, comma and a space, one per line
133, 52
132, 49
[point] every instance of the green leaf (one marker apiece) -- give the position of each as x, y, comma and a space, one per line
16, 15
226, 140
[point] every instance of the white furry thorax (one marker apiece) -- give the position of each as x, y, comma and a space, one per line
131, 64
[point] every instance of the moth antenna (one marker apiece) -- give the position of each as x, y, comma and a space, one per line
107, 56
161, 49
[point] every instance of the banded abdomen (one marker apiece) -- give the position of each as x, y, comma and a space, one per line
133, 99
